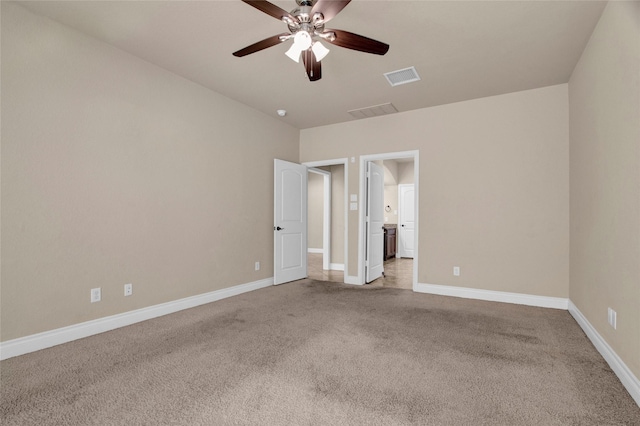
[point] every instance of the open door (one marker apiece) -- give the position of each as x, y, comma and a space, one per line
374, 262
406, 211
290, 222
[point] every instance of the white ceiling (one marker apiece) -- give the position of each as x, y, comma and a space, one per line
461, 49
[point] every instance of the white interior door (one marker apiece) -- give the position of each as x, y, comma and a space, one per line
374, 262
290, 222
406, 219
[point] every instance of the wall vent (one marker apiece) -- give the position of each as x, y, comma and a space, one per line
403, 76
373, 111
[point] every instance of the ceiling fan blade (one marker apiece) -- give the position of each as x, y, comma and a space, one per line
357, 42
270, 9
313, 68
329, 8
263, 44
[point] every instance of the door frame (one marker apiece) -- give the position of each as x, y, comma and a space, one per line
337, 162
363, 190
326, 215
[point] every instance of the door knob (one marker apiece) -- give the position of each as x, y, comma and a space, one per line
402, 225
277, 228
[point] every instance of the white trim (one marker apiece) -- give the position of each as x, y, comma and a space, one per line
336, 266
315, 250
47, 339
352, 279
625, 375
628, 379
494, 296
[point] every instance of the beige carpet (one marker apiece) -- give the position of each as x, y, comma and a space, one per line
316, 353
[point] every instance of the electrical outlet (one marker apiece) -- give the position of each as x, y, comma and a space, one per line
257, 266
456, 271
96, 295
128, 289
612, 317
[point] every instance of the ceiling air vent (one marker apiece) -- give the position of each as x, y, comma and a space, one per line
407, 75
373, 111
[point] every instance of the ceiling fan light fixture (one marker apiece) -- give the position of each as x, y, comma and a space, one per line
319, 50
294, 53
301, 41
306, 26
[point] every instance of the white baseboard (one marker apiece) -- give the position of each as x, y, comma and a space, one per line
628, 379
315, 250
47, 339
494, 296
351, 279
336, 266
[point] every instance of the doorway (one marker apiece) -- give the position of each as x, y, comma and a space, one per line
319, 214
400, 271
326, 251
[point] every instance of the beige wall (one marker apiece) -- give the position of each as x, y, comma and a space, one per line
391, 201
406, 173
315, 210
604, 96
115, 171
395, 173
494, 187
390, 168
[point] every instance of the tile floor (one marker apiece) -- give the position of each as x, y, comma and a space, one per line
315, 271
398, 273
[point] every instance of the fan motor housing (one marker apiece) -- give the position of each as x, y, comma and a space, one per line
304, 20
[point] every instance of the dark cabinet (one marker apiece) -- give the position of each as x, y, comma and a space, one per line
389, 241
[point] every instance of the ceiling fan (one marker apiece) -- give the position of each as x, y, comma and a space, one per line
306, 28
